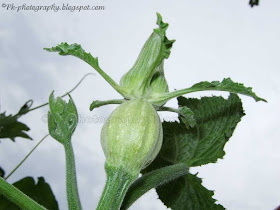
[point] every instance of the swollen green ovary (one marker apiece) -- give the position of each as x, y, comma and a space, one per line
132, 136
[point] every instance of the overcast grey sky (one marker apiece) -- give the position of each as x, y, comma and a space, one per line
215, 39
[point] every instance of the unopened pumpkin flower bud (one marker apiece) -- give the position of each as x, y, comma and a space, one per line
146, 76
132, 136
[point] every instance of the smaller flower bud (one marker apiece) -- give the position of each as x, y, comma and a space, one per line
62, 118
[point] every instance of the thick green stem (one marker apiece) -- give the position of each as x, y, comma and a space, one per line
71, 180
18, 197
118, 182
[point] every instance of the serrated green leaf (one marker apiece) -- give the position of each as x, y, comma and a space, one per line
187, 193
40, 192
216, 119
62, 118
226, 85
75, 50
11, 128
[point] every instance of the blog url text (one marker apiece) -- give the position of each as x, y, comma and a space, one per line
53, 7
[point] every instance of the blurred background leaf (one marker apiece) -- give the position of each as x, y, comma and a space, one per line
40, 192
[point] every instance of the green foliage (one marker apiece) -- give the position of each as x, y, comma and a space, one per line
40, 192
75, 50
11, 128
216, 119
187, 116
62, 118
187, 193
226, 85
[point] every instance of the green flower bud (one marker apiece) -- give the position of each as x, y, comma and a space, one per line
62, 118
146, 76
132, 136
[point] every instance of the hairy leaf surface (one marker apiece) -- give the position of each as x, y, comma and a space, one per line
75, 50
187, 193
216, 119
226, 85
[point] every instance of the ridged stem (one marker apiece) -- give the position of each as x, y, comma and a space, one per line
71, 180
17, 197
117, 184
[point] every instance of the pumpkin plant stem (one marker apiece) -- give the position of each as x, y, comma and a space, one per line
71, 180
118, 182
18, 197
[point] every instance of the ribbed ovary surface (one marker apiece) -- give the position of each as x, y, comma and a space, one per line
132, 135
